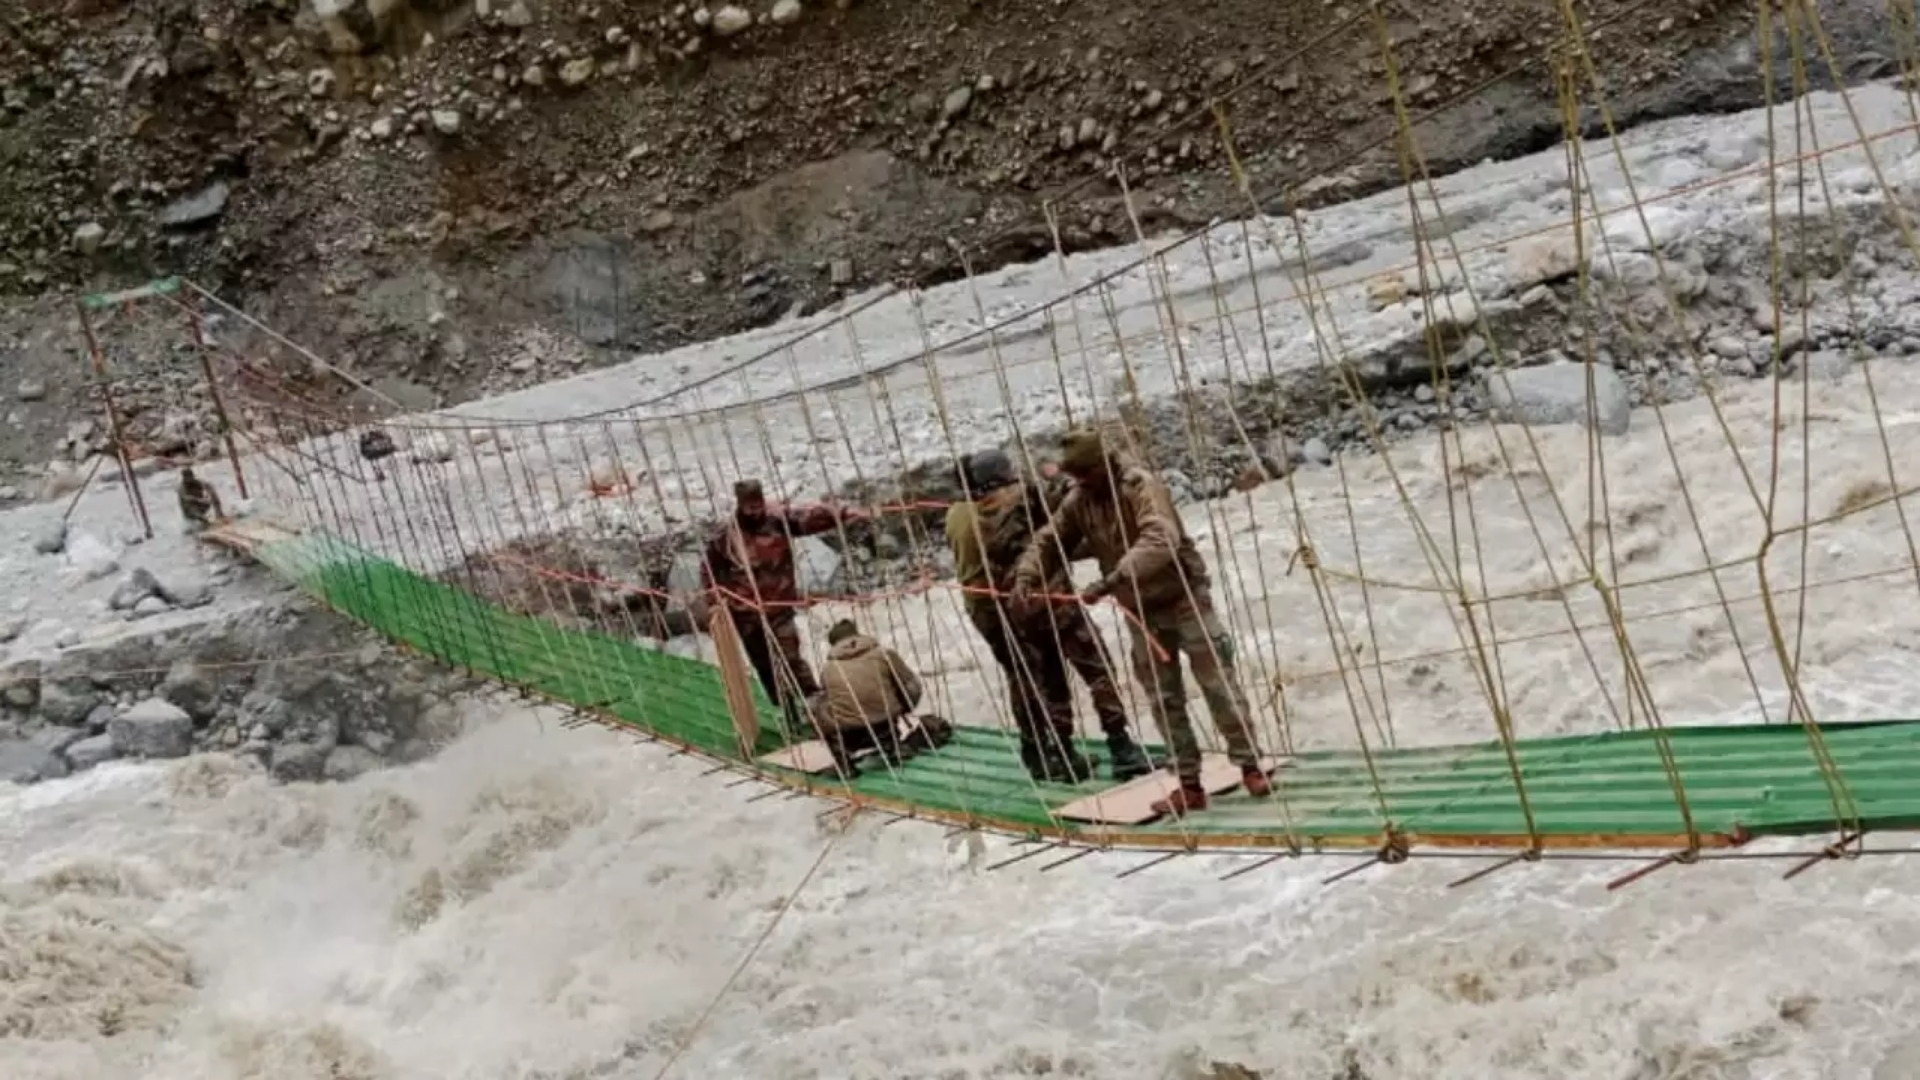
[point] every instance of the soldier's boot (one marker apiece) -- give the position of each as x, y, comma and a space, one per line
1255, 781
1059, 762
1188, 798
1130, 760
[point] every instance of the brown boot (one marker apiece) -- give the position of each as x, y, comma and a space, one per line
1186, 799
1255, 781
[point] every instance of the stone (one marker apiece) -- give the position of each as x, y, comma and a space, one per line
51, 538
87, 238
147, 607
56, 740
786, 12
1314, 451
296, 762
517, 15
138, 585
154, 728
67, 704
577, 71
189, 686
446, 121
958, 99
347, 762
185, 589
91, 556
1385, 290
11, 629
432, 449
817, 567
535, 75
683, 573
197, 209
840, 273
1541, 260
91, 751
23, 761
731, 19
1557, 394
20, 685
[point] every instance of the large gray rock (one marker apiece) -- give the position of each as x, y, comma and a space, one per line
23, 761
188, 686
56, 740
1557, 394
67, 704
683, 575
184, 589
347, 762
91, 751
51, 538
297, 761
20, 684
138, 585
817, 568
155, 728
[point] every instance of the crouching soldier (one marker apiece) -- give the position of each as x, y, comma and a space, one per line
866, 691
1122, 515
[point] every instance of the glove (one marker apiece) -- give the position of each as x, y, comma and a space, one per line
1096, 592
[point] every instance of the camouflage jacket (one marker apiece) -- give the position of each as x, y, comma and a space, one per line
755, 565
1146, 557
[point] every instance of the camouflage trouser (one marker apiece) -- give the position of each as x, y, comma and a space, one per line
773, 648
1067, 634
1192, 629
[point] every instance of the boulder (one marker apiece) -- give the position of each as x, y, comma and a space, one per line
817, 568
347, 762
188, 686
135, 587
23, 761
20, 684
51, 538
56, 740
91, 751
1557, 394
91, 556
730, 20
185, 589
67, 704
155, 728
297, 762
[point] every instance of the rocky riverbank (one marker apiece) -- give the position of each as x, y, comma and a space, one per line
305, 693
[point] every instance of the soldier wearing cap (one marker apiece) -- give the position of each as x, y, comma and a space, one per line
749, 568
1122, 515
1035, 647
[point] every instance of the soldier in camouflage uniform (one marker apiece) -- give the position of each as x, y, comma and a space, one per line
751, 559
1036, 648
1121, 514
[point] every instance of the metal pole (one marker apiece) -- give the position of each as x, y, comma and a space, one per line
113, 419
213, 392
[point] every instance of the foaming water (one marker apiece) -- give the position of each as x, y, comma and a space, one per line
564, 905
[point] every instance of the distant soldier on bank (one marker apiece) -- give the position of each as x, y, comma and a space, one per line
1035, 648
749, 569
199, 503
1122, 515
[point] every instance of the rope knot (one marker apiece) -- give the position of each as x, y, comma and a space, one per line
1305, 557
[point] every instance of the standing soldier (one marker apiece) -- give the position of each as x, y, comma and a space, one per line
1035, 648
749, 569
1124, 517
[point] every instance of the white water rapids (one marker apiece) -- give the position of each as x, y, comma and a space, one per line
537, 902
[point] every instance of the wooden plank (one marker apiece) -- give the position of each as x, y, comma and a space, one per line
1132, 802
735, 679
246, 535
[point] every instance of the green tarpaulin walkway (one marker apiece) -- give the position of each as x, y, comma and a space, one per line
1597, 791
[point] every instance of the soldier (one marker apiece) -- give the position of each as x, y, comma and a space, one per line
1035, 648
1123, 515
199, 503
867, 691
749, 569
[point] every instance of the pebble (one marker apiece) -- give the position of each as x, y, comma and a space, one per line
731, 20
446, 121
786, 12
